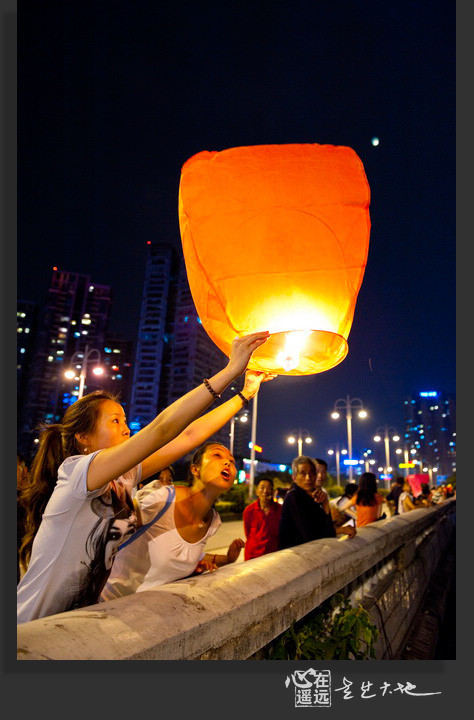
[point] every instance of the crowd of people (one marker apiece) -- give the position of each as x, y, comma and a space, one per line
100, 516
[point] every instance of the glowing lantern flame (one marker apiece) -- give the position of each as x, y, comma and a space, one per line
276, 237
289, 357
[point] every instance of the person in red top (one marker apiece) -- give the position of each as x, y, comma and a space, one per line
261, 520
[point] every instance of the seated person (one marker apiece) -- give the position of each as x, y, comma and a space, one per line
261, 520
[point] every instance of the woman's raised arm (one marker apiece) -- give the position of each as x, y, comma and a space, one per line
201, 429
112, 462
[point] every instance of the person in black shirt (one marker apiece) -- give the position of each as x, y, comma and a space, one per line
305, 514
395, 492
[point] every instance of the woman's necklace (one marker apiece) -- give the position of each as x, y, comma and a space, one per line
203, 522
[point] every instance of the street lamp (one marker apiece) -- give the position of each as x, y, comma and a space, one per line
348, 405
252, 449
82, 359
337, 452
298, 436
243, 419
386, 430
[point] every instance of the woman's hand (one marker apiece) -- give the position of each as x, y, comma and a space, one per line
242, 349
234, 550
205, 565
253, 380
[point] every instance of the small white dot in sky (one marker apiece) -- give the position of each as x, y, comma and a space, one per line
375, 141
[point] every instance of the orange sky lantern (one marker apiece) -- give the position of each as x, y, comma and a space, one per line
275, 237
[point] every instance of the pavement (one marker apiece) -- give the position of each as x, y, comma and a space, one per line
227, 532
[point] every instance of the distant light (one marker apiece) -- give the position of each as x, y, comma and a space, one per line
335, 415
148, 242
350, 462
431, 393
77, 334
375, 141
361, 462
241, 475
55, 268
91, 287
377, 438
244, 418
308, 440
98, 371
425, 469
435, 469
371, 462
330, 452
281, 468
69, 374
396, 438
363, 414
380, 469
389, 469
398, 451
343, 452
291, 440
413, 451
36, 440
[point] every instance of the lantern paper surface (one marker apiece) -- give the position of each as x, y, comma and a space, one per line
275, 237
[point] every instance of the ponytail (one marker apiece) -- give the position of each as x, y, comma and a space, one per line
57, 442
36, 493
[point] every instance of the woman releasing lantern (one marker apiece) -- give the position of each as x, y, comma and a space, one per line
299, 216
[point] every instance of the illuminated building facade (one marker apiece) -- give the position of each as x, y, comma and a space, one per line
75, 314
431, 430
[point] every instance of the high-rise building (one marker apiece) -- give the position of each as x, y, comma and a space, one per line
174, 353
75, 314
431, 430
26, 328
150, 387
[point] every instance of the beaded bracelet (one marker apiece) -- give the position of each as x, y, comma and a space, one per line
213, 392
241, 395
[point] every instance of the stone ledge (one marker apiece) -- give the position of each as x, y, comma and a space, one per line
229, 614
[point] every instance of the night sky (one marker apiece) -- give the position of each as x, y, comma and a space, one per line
113, 98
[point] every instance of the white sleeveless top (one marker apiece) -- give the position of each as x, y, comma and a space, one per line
159, 555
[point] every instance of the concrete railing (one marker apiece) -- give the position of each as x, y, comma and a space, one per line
232, 613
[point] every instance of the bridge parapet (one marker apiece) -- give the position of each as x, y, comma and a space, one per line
232, 613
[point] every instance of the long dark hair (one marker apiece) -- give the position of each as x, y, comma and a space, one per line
57, 442
367, 489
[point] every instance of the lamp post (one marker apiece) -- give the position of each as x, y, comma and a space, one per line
386, 430
337, 452
298, 436
348, 405
84, 358
252, 449
368, 461
243, 418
